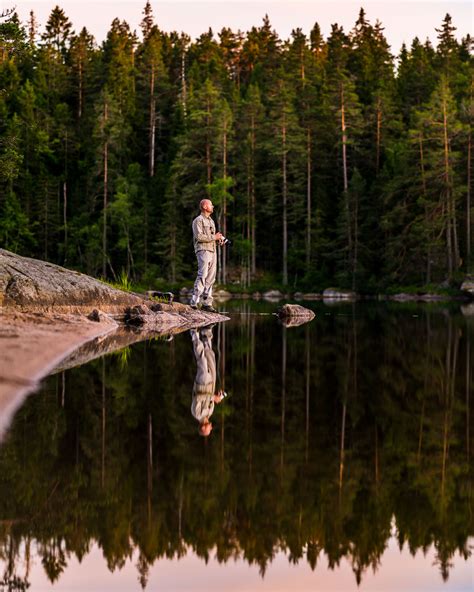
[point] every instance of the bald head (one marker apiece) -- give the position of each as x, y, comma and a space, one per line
206, 207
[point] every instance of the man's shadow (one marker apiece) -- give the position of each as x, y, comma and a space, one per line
205, 396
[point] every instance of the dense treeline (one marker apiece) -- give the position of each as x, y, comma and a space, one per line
330, 160
313, 453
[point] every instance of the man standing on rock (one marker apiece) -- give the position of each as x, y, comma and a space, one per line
205, 238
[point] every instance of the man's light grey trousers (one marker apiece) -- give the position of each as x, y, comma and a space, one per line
206, 276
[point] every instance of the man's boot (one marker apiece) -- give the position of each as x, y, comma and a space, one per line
208, 308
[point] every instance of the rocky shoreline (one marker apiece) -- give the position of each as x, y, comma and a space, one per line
334, 294
49, 313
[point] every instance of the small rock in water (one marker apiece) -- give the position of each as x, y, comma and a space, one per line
293, 315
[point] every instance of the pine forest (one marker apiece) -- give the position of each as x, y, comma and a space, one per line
331, 160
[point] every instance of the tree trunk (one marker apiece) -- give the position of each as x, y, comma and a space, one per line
252, 202
451, 234
173, 254
46, 216
308, 201
224, 203
285, 205
345, 179
379, 136
152, 118
423, 184
183, 84
208, 148
468, 203
65, 219
344, 141
106, 180
81, 90
356, 241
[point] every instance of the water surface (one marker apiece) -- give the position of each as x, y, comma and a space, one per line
341, 455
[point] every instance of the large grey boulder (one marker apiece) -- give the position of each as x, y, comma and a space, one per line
32, 285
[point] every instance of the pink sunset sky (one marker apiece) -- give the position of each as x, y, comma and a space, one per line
402, 20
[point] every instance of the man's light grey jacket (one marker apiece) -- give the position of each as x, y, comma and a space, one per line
204, 231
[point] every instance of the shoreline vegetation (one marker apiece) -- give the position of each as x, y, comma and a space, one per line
332, 160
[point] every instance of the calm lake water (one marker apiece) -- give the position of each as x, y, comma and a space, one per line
341, 455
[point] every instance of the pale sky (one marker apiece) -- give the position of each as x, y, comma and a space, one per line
399, 570
402, 20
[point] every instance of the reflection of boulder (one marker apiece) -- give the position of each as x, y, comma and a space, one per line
468, 309
403, 297
468, 285
273, 295
222, 295
312, 296
335, 294
293, 315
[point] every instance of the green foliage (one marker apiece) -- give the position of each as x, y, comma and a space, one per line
121, 283
310, 149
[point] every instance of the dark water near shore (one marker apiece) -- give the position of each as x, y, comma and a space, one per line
343, 453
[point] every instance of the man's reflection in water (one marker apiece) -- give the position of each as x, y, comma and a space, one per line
204, 388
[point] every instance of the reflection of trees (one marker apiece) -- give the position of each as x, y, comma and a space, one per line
326, 440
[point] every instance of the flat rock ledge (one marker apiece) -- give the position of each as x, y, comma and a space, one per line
32, 286
160, 316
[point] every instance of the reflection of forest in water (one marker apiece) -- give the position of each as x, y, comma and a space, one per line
330, 431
